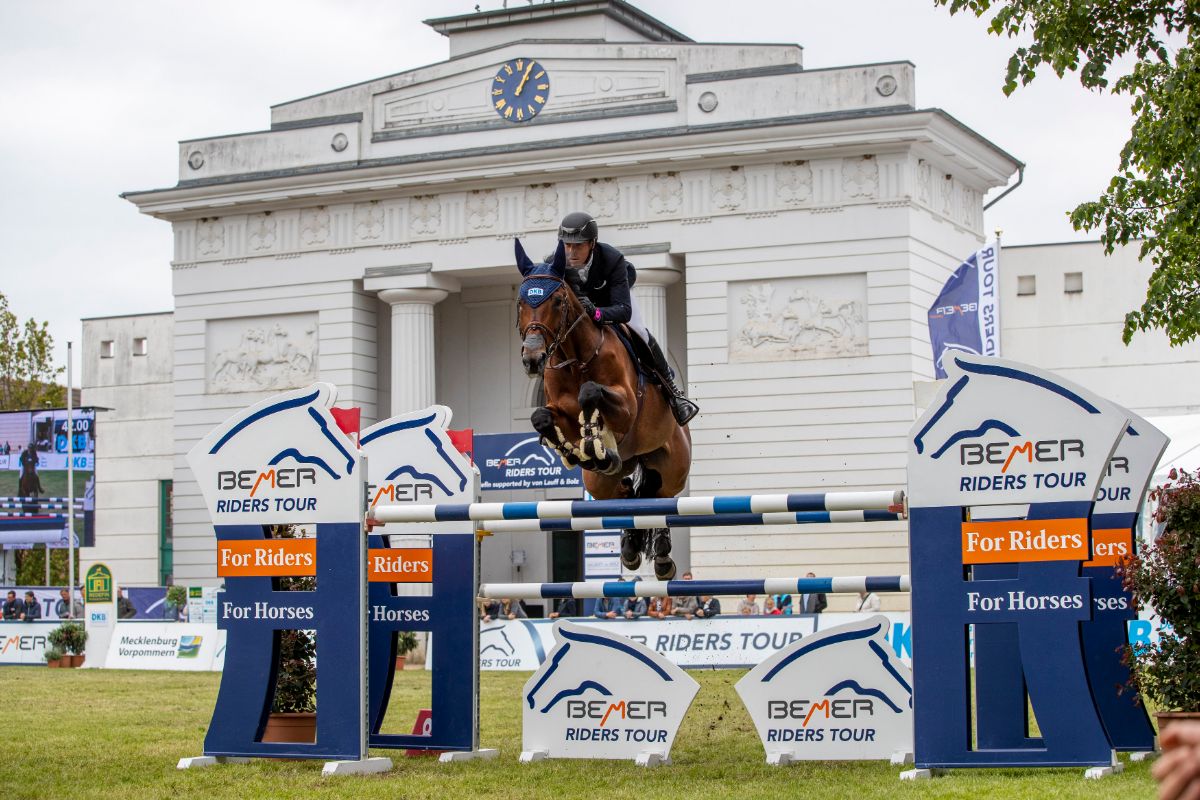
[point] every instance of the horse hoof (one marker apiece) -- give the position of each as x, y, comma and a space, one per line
664, 568
632, 543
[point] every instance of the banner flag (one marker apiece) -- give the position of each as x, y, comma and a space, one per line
966, 315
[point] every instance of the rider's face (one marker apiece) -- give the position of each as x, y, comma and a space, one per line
578, 253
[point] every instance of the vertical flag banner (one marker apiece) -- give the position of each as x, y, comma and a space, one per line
966, 315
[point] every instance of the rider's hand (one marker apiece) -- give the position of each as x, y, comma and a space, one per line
589, 308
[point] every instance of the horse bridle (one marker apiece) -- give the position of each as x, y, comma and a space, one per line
557, 338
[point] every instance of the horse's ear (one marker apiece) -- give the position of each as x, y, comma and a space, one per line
523, 262
559, 264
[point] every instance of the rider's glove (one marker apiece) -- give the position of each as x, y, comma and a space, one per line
589, 308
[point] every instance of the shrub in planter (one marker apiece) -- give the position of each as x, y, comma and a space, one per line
177, 597
70, 637
296, 678
406, 642
53, 657
1166, 575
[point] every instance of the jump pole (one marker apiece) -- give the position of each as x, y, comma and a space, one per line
646, 521
592, 590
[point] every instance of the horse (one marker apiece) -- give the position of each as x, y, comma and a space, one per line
599, 414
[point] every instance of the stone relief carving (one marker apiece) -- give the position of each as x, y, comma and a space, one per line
860, 177
260, 231
210, 237
665, 192
947, 196
798, 318
925, 183
541, 204
728, 188
368, 221
483, 210
793, 183
425, 215
603, 197
261, 354
314, 226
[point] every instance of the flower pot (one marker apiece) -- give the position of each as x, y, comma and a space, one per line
55, 664
298, 726
1165, 718
399, 663
75, 660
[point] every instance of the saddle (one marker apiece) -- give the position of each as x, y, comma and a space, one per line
639, 354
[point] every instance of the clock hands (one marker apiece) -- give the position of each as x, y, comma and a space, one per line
524, 78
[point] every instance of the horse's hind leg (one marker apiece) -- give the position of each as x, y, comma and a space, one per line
660, 548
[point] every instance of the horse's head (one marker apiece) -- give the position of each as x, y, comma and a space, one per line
546, 308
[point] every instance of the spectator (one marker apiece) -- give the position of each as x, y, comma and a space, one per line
868, 601
813, 602
769, 607
566, 607
65, 608
489, 610
125, 609
512, 609
749, 606
708, 606
13, 609
685, 606
783, 603
635, 607
609, 607
33, 609
659, 608
1178, 771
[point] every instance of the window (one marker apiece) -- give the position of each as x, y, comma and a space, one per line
1026, 284
139, 346
1073, 282
106, 349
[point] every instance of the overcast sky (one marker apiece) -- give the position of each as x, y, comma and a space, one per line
97, 94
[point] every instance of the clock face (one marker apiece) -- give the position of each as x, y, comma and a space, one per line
520, 89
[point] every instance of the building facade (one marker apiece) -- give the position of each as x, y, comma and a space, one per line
790, 228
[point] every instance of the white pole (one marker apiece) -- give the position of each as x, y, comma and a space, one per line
70, 493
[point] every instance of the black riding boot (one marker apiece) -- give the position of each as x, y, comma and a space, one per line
681, 407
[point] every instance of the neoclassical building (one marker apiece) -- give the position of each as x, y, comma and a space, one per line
790, 228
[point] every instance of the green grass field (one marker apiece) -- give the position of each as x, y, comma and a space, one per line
111, 734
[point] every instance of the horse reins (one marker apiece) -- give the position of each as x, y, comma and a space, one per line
558, 338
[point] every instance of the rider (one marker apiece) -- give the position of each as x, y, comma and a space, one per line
604, 278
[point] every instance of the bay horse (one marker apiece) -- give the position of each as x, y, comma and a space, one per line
599, 413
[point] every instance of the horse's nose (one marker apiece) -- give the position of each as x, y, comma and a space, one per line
532, 362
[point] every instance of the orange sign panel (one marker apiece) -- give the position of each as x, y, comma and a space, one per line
1006, 541
400, 565
1110, 545
266, 557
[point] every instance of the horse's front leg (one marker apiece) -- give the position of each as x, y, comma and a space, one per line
602, 409
553, 426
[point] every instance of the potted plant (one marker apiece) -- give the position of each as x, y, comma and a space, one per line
177, 597
406, 642
70, 638
293, 715
53, 657
1166, 576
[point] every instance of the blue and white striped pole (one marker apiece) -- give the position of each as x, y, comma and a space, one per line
593, 590
683, 506
647, 521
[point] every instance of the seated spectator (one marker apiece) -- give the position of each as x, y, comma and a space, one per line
685, 606
769, 607
65, 608
489, 610
609, 607
566, 607
868, 601
635, 607
659, 608
512, 609
783, 603
749, 606
125, 609
13, 609
33, 609
708, 606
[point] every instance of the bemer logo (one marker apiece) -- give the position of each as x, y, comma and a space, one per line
275, 477
628, 709
849, 708
400, 492
1042, 451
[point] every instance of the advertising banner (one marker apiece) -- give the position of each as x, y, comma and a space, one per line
510, 461
965, 317
186, 646
24, 642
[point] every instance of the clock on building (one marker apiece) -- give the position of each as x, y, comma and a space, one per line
520, 89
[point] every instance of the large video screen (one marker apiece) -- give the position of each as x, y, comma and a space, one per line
33, 477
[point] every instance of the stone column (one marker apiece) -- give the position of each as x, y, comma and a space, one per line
413, 374
650, 293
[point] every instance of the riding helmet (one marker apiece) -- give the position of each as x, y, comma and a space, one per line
578, 226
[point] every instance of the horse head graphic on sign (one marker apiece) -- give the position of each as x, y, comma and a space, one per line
410, 458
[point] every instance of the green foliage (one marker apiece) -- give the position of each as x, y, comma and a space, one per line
406, 642
177, 596
70, 637
26, 372
1167, 576
1155, 195
296, 677
53, 654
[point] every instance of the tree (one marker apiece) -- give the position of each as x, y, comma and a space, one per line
26, 374
1155, 195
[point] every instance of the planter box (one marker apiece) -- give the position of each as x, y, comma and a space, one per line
298, 726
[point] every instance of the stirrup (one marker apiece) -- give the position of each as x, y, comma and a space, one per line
683, 409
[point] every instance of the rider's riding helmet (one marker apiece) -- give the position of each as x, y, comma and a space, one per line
578, 226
